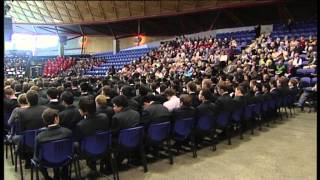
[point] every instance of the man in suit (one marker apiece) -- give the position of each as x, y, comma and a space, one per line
192, 89
206, 106
240, 98
224, 102
42, 100
154, 111
274, 92
124, 117
53, 131
90, 124
127, 91
70, 116
52, 95
185, 110
10, 103
30, 118
102, 107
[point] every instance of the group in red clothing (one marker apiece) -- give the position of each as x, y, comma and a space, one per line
53, 67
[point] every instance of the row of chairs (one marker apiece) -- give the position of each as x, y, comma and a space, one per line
99, 146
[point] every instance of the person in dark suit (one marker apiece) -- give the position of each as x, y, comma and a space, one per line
52, 95
186, 110
240, 98
42, 100
154, 111
274, 92
282, 85
70, 116
206, 106
293, 89
75, 89
224, 102
53, 131
124, 117
161, 97
102, 107
9, 103
192, 89
143, 92
90, 124
258, 94
127, 91
30, 119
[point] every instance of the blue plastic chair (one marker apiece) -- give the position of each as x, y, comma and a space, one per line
54, 154
97, 147
237, 116
248, 116
183, 128
129, 140
157, 133
223, 122
206, 126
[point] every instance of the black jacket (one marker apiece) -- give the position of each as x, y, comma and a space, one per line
106, 110
125, 119
91, 124
206, 108
133, 104
155, 113
56, 106
69, 117
183, 112
49, 134
240, 102
195, 100
31, 118
225, 103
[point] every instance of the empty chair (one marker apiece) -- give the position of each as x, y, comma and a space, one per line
304, 82
205, 126
223, 122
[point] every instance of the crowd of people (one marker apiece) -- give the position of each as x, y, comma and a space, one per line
182, 78
15, 66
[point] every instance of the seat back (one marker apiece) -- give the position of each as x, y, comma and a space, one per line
248, 112
237, 114
272, 104
183, 127
159, 131
223, 119
265, 106
97, 144
205, 122
28, 138
257, 108
57, 151
131, 138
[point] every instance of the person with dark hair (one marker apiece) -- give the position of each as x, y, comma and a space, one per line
185, 110
17, 89
74, 88
70, 116
53, 131
42, 100
240, 99
274, 92
127, 91
143, 91
52, 95
173, 101
206, 107
90, 124
84, 89
161, 97
31, 118
192, 90
153, 111
224, 102
124, 117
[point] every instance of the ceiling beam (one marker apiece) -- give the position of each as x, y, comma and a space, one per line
81, 30
44, 28
128, 5
23, 11
65, 5
215, 20
246, 4
68, 30
102, 10
78, 11
25, 29
234, 18
115, 9
110, 29
55, 7
88, 6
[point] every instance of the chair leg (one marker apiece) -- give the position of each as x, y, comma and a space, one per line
228, 135
285, 109
252, 126
170, 151
194, 146
21, 169
37, 173
31, 171
6, 151
11, 154
113, 162
143, 158
79, 168
213, 142
16, 162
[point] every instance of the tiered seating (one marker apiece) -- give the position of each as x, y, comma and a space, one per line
239, 36
118, 60
298, 29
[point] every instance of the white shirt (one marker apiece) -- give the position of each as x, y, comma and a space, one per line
173, 103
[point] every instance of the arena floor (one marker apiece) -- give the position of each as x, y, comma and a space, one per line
285, 150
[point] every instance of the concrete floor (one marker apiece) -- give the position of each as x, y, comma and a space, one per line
285, 150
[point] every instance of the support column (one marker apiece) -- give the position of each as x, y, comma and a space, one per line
116, 46
62, 42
